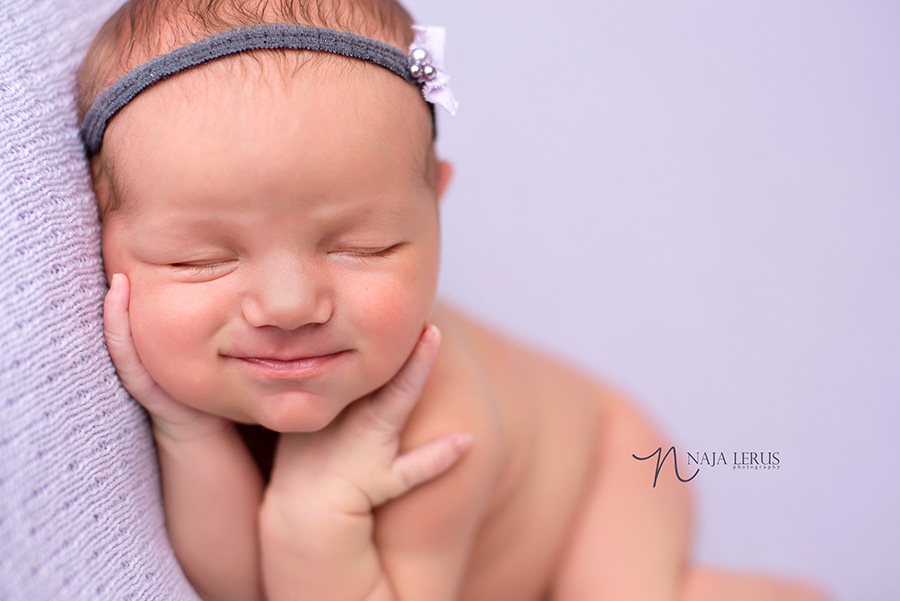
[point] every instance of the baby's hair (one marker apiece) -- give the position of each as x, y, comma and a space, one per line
143, 29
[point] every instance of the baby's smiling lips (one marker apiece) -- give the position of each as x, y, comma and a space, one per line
287, 367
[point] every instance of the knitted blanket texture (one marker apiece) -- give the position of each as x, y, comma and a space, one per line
80, 512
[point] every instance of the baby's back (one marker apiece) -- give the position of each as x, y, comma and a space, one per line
544, 415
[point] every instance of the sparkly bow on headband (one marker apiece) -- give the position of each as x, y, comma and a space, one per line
426, 65
423, 65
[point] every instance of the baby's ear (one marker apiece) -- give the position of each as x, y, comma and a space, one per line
444, 175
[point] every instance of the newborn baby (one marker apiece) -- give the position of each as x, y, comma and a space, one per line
269, 194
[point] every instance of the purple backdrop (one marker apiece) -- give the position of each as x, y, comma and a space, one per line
698, 201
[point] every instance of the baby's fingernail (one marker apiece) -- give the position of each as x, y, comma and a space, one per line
432, 334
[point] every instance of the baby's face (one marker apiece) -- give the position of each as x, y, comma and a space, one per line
281, 239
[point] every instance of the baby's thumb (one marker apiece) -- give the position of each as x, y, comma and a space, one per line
116, 327
117, 331
394, 402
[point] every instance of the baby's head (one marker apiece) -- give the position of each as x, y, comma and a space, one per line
275, 210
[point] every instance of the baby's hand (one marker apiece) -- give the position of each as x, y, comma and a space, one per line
355, 464
170, 417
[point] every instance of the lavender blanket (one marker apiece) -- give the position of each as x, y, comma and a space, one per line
80, 515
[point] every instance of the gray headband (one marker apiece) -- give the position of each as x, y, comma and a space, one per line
234, 41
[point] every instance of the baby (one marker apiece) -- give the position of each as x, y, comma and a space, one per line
269, 193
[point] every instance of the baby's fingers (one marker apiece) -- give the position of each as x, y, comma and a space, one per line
117, 330
394, 402
429, 461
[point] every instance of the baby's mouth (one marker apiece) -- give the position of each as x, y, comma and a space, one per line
287, 367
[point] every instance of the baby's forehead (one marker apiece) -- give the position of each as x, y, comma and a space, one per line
275, 87
302, 105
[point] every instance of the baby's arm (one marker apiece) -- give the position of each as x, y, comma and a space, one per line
632, 540
210, 484
316, 523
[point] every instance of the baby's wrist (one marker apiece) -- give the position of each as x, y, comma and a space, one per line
291, 525
313, 497
190, 431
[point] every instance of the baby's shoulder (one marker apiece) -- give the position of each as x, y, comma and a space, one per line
531, 399
508, 368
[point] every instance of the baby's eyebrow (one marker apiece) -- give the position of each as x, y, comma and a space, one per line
201, 227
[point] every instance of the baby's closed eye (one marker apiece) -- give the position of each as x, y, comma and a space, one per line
206, 268
368, 253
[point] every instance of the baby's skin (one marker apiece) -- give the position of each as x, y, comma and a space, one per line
273, 260
316, 518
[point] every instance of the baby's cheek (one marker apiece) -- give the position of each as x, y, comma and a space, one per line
173, 334
396, 310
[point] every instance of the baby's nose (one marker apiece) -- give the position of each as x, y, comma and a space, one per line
288, 296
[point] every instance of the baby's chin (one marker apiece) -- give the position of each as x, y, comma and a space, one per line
290, 424
297, 412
